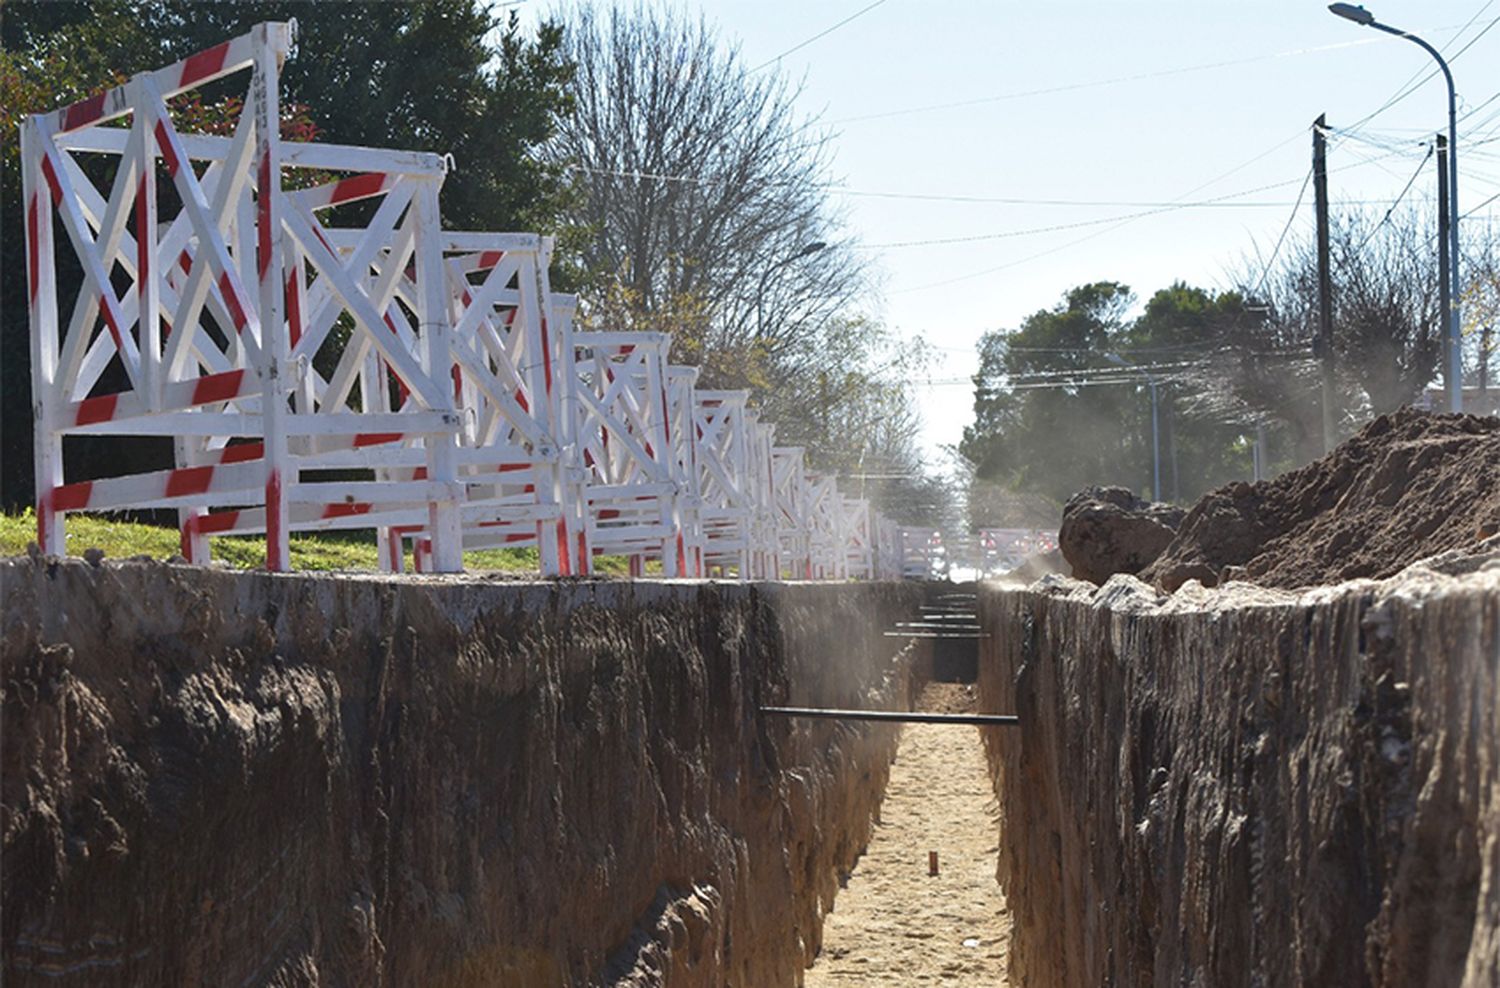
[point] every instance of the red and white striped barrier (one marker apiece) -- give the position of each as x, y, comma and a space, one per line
236, 286
318, 373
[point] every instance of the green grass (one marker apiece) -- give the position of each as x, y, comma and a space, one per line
326, 552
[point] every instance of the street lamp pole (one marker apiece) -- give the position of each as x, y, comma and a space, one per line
1115, 358
760, 292
1454, 364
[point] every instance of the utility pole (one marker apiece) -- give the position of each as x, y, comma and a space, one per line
1325, 278
1445, 297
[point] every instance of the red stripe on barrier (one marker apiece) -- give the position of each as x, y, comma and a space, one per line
546, 359
458, 384
276, 560
31, 245
219, 521
376, 438
72, 497
44, 515
232, 300
242, 452
218, 387
203, 64
511, 467
294, 306
143, 238
564, 563
345, 510
52, 183
264, 197
518, 537
490, 258
605, 514
584, 559
108, 310
681, 556
357, 187
167, 151
185, 261
189, 480
100, 409
521, 400
84, 112
420, 473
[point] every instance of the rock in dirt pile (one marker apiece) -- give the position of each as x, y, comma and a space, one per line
1108, 530
1409, 485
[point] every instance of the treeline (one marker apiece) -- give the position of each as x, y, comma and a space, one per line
1065, 399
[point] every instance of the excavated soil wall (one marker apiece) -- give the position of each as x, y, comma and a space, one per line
1250, 787
230, 778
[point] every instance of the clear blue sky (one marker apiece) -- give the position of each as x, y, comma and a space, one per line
1193, 134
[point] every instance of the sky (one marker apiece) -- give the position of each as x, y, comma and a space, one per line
1107, 110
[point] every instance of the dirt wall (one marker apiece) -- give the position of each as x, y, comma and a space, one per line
1250, 787
225, 778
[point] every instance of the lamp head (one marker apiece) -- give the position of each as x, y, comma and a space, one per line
811, 248
1353, 12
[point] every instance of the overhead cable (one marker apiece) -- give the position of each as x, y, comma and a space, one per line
821, 34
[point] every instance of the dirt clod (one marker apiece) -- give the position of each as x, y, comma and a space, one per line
1407, 486
1108, 530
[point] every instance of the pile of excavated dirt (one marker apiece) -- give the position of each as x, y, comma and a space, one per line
1409, 485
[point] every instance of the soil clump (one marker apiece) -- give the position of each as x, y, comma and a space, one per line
1108, 530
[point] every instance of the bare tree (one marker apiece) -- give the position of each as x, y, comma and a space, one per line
704, 194
701, 187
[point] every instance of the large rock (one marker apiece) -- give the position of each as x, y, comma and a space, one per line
1108, 530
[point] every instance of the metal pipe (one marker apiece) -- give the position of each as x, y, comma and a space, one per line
894, 716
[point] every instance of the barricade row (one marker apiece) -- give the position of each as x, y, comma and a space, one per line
317, 372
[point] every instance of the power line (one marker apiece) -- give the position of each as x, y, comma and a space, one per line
1070, 87
1219, 202
821, 34
1282, 239
1384, 219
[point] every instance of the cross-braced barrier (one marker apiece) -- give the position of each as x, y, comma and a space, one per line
320, 367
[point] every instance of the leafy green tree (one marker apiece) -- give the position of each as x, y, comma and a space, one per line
1039, 425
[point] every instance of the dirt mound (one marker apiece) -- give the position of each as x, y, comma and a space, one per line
1409, 485
1108, 530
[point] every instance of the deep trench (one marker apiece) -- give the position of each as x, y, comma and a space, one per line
220, 777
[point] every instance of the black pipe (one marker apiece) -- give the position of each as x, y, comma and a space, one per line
897, 716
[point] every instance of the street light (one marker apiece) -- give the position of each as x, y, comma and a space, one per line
1454, 364
760, 293
1115, 358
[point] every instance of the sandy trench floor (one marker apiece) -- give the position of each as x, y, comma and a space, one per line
893, 924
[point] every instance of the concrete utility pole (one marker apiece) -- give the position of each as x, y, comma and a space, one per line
1454, 364
1325, 278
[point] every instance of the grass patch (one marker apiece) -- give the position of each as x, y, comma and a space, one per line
324, 551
